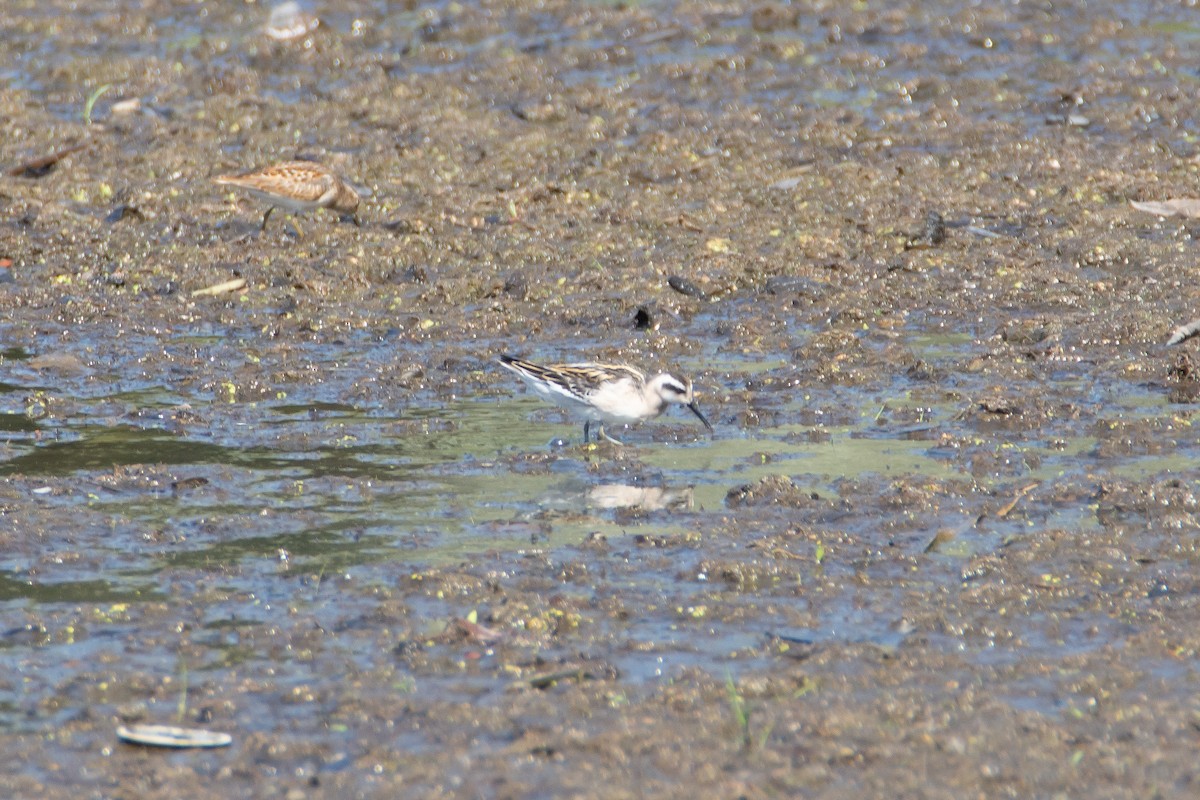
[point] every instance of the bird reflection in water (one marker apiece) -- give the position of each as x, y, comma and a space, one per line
643, 498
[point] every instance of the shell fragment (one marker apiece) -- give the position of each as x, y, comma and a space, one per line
171, 736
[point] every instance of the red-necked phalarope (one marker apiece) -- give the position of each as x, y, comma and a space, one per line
604, 392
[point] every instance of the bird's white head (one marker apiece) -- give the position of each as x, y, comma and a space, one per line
673, 390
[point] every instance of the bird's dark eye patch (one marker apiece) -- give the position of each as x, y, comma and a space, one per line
675, 388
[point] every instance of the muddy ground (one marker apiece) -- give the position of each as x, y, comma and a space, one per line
943, 542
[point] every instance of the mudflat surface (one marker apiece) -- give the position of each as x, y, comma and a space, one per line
942, 543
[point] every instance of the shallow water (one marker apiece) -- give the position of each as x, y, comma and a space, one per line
945, 523
335, 486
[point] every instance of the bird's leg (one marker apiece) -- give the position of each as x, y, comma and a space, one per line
609, 438
265, 216
586, 424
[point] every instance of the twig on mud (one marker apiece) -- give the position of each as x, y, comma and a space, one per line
1007, 509
547, 679
41, 166
221, 288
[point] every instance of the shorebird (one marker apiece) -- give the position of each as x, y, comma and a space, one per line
296, 186
605, 392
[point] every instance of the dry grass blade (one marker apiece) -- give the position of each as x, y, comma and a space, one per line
221, 288
1183, 206
1184, 332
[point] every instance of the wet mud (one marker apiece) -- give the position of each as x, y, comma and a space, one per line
942, 542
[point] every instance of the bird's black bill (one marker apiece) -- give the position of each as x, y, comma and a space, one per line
692, 407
